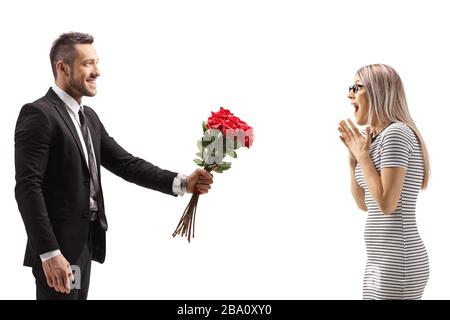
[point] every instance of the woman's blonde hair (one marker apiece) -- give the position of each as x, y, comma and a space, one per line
387, 102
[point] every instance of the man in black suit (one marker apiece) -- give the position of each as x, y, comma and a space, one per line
59, 147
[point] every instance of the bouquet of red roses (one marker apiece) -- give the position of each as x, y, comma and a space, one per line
223, 134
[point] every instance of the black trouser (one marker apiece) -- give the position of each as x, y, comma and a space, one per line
44, 292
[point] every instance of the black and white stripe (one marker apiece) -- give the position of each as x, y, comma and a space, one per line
397, 261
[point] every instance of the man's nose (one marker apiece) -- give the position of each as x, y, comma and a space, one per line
96, 70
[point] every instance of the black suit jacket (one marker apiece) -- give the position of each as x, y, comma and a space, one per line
52, 178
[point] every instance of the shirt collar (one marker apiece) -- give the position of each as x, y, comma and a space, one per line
70, 102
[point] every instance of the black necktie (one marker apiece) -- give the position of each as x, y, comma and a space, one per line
94, 190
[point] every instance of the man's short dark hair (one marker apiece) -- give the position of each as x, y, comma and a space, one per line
63, 48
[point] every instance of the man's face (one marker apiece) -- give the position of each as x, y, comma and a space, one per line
83, 72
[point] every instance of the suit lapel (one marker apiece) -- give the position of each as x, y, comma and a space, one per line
95, 135
61, 109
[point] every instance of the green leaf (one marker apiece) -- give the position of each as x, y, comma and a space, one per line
238, 144
232, 153
200, 145
215, 133
199, 162
206, 135
225, 166
204, 126
218, 170
206, 143
199, 154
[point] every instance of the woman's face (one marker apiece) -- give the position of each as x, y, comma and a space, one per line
360, 102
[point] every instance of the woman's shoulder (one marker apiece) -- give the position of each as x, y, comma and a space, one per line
400, 128
399, 131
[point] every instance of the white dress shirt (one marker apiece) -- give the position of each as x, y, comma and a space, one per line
73, 108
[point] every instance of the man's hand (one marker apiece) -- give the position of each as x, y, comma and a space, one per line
199, 181
58, 273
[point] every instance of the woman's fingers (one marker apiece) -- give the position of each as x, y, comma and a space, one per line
346, 128
343, 134
343, 141
352, 125
368, 141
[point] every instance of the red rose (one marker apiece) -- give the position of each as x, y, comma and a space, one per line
249, 137
224, 120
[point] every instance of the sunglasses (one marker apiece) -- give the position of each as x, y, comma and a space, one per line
355, 88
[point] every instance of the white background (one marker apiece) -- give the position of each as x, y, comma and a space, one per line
281, 224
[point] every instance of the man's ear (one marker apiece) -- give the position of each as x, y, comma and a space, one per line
63, 67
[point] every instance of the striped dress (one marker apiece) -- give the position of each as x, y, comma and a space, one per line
397, 261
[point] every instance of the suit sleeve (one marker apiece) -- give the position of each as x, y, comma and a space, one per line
32, 144
131, 168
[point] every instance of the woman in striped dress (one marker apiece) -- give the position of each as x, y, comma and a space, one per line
389, 165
